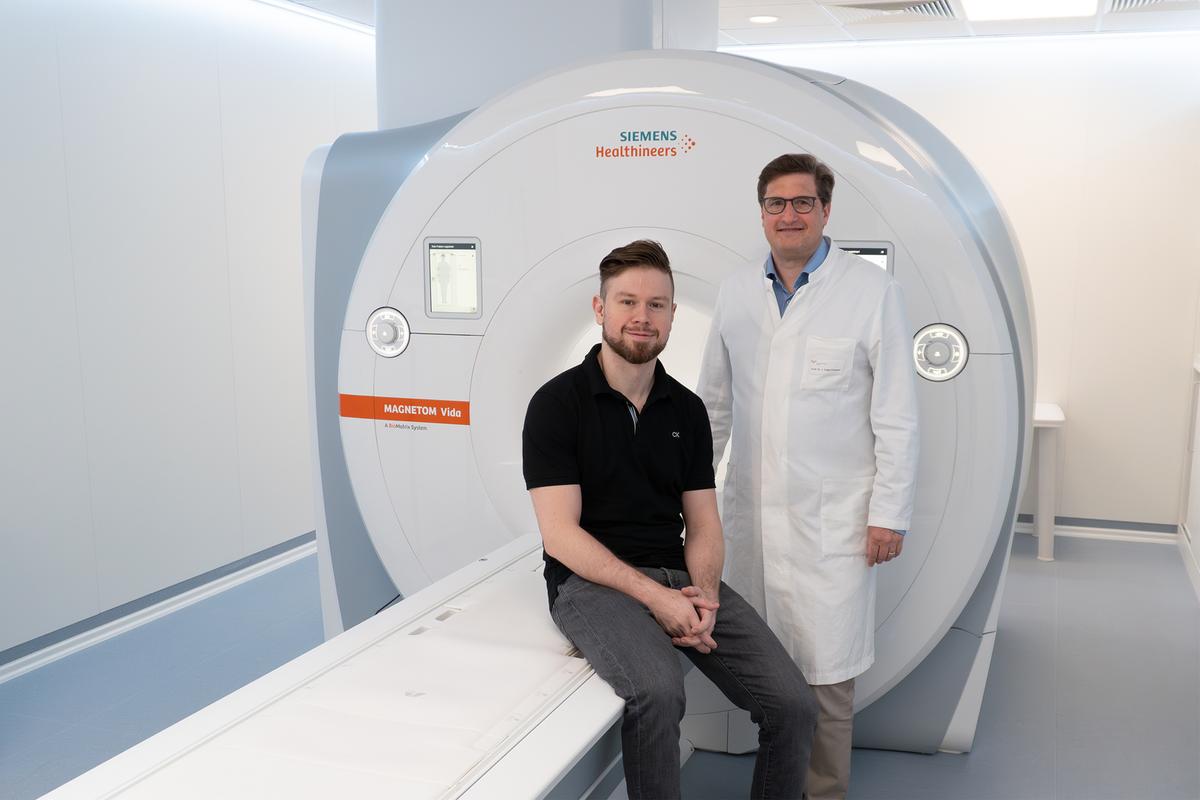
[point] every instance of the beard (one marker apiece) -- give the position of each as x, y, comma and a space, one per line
635, 352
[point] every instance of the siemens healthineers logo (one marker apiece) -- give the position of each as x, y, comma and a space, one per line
648, 144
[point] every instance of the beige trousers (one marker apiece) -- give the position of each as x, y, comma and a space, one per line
829, 768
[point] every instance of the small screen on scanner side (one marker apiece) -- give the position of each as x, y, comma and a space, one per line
877, 254
452, 277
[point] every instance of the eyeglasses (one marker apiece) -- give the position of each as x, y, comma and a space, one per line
802, 204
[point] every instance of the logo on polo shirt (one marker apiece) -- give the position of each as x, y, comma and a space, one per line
674, 434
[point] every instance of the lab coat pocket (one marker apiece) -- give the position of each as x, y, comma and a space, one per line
844, 506
828, 362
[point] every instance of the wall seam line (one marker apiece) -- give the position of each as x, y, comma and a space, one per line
237, 422
71, 250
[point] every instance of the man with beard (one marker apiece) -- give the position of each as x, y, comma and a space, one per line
618, 462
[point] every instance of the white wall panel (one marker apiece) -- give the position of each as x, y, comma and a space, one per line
1089, 141
277, 103
154, 416
141, 108
420, 78
1137, 278
1192, 503
47, 551
352, 67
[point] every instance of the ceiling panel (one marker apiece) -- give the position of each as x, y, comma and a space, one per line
907, 29
776, 36
791, 15
807, 21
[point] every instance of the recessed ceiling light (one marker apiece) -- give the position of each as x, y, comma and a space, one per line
764, 19
992, 10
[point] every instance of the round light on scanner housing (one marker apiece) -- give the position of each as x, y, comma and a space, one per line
388, 332
940, 352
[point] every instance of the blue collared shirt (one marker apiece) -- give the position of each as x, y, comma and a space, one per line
782, 295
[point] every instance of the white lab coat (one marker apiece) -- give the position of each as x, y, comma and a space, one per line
822, 408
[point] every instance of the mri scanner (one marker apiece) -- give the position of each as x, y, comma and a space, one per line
449, 272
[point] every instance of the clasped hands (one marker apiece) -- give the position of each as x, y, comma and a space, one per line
688, 616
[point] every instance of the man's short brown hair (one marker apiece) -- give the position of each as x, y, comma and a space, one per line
802, 163
640, 253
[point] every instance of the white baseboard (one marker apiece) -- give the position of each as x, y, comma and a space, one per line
1109, 534
1187, 549
116, 627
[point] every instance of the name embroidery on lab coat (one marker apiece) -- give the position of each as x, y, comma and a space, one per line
822, 365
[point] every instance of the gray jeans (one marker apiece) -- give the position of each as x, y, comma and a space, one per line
627, 648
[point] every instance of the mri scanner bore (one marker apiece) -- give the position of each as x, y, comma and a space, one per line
446, 268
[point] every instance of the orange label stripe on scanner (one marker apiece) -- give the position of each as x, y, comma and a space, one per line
406, 409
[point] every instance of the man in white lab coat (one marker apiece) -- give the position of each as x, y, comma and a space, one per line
808, 366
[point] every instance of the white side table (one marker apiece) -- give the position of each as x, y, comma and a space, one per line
1047, 419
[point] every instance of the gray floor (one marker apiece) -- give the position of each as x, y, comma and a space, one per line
1094, 691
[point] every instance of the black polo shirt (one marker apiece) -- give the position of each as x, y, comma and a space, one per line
631, 474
